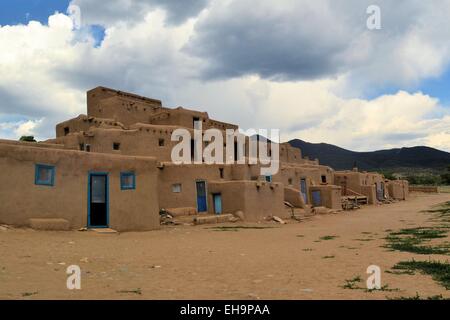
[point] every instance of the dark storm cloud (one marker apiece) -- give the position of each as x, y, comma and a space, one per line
112, 11
294, 40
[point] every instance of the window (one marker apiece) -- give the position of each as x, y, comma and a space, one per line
44, 175
221, 173
116, 146
324, 179
127, 181
176, 188
161, 142
81, 146
290, 181
88, 148
269, 178
66, 131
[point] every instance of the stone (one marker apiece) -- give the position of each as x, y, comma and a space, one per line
278, 219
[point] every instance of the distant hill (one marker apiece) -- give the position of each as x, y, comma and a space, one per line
341, 159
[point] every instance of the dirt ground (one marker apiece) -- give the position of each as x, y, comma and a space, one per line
199, 262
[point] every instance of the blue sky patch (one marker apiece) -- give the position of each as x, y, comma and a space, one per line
22, 11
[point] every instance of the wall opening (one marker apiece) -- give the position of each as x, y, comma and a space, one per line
176, 188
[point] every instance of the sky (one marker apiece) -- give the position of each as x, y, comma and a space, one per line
312, 69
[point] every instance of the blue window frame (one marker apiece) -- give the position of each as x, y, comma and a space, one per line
44, 175
127, 180
269, 178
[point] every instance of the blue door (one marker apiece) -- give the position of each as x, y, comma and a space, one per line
217, 197
98, 200
316, 198
201, 196
303, 190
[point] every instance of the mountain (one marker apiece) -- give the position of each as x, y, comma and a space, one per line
341, 159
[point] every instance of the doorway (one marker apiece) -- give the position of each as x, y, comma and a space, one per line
316, 198
217, 199
201, 196
98, 200
303, 190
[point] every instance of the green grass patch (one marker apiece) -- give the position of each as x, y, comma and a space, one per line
29, 294
439, 271
442, 210
325, 238
418, 297
413, 239
134, 291
384, 288
352, 283
328, 257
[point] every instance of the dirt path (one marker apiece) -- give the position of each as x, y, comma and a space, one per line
281, 262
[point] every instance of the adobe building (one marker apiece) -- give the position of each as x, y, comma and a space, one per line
113, 168
371, 186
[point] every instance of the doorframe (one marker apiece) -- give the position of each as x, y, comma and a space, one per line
206, 193
90, 174
214, 202
306, 198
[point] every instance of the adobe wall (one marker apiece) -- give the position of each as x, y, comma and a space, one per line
293, 196
49, 145
290, 175
84, 123
187, 175
22, 199
256, 199
330, 196
360, 182
121, 106
185, 118
398, 189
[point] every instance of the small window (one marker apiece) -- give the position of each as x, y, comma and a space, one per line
161, 142
324, 179
269, 178
66, 131
176, 188
116, 146
127, 181
88, 148
221, 173
290, 181
81, 146
44, 175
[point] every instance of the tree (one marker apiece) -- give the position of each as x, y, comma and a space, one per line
446, 176
27, 138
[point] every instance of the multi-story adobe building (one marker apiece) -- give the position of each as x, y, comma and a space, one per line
113, 168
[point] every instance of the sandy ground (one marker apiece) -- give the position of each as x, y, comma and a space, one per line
197, 262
